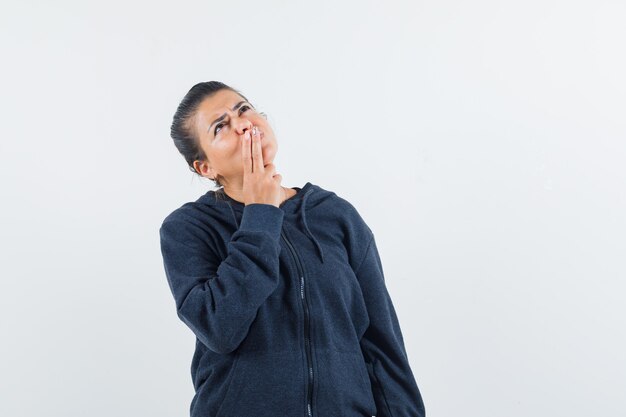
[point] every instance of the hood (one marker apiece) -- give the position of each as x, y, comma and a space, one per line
309, 195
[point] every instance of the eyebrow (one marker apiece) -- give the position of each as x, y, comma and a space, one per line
219, 119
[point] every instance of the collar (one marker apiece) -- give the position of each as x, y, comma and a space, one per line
295, 204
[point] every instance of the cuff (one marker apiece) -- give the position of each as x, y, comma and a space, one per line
259, 217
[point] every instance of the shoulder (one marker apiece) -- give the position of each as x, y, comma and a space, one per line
347, 213
351, 211
332, 199
343, 219
201, 218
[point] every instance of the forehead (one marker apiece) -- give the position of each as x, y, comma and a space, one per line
213, 107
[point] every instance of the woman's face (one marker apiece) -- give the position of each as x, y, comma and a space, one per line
221, 137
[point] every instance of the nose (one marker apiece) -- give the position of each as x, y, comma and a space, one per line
242, 124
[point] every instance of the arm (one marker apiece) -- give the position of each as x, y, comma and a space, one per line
393, 385
219, 299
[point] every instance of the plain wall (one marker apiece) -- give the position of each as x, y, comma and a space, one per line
483, 142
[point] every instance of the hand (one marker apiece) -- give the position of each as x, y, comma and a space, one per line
261, 183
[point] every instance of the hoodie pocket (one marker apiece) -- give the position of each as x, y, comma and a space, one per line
344, 385
265, 384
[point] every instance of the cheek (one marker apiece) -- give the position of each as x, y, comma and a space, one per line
223, 155
226, 148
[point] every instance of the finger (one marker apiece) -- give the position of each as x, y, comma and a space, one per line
245, 153
257, 154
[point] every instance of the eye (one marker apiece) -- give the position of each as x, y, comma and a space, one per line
241, 110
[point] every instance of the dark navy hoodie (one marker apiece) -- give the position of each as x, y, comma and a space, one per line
289, 308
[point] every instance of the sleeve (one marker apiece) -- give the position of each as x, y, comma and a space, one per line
219, 299
393, 385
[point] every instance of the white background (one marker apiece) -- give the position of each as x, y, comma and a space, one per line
483, 142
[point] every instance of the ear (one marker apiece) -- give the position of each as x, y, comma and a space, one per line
204, 169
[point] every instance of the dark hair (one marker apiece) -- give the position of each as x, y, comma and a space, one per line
182, 130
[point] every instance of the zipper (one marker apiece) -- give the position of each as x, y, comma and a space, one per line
307, 330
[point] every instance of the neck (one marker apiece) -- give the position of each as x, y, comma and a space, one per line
236, 192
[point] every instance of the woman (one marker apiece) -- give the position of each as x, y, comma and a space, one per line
282, 287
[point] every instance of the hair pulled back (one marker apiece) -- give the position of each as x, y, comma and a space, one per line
183, 127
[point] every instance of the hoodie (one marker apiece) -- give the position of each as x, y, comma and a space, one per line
289, 308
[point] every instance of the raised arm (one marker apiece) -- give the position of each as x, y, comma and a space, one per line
219, 299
